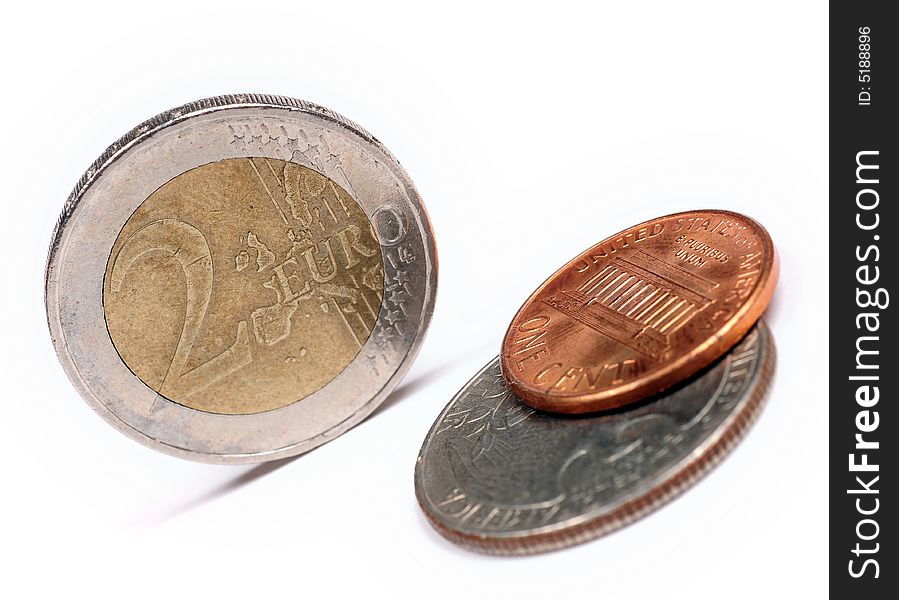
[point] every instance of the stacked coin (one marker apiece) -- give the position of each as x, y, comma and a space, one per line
654, 333
240, 279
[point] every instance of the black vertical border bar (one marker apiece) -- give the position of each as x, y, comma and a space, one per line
862, 123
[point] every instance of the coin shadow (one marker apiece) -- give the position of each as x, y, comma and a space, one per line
408, 388
247, 477
405, 390
411, 386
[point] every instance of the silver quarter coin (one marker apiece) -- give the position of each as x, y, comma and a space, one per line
498, 477
240, 279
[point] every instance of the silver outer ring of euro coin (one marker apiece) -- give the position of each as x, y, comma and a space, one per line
498, 477
203, 132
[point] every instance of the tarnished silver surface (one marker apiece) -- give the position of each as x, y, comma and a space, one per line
201, 133
496, 476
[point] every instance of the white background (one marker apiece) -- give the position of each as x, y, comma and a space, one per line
531, 133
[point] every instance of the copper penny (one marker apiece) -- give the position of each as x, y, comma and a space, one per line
640, 311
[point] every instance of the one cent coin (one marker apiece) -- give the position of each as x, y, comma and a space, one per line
240, 279
640, 311
496, 476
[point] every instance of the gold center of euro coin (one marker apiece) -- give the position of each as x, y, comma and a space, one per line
243, 285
